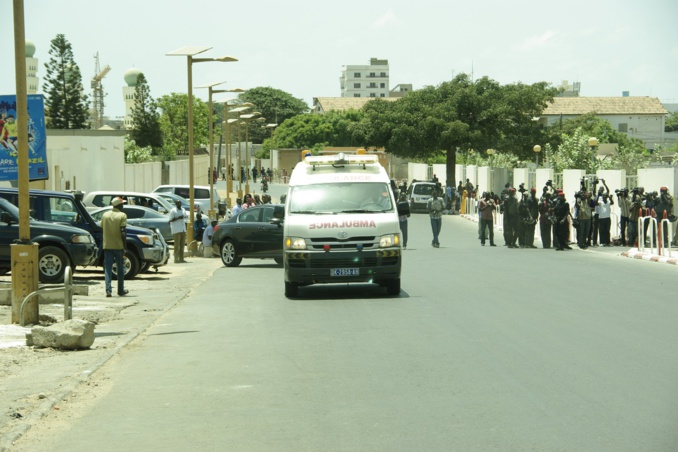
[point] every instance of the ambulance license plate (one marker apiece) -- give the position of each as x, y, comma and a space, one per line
344, 272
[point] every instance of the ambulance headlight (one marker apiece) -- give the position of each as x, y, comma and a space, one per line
389, 240
295, 243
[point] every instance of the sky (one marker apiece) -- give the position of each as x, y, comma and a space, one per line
300, 46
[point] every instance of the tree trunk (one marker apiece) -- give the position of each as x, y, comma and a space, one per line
451, 165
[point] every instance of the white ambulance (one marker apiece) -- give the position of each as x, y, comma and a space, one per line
341, 224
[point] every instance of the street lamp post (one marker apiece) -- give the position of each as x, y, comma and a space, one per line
490, 153
211, 90
247, 118
189, 52
239, 110
227, 138
537, 150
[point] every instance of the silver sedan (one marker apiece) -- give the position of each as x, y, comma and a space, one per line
144, 217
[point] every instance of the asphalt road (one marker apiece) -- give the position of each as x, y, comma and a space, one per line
485, 349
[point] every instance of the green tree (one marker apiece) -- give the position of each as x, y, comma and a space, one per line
66, 106
457, 116
174, 123
671, 124
135, 153
145, 118
275, 105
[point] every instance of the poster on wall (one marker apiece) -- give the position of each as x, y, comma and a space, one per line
37, 142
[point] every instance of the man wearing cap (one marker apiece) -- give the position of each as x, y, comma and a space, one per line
113, 224
207, 238
177, 223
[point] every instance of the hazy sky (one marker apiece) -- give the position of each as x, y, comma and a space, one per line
299, 46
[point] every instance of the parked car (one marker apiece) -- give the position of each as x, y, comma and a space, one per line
97, 199
418, 194
201, 194
144, 217
60, 246
145, 248
172, 199
256, 232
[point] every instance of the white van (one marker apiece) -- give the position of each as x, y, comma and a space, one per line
201, 194
341, 224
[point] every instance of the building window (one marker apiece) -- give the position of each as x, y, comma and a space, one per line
623, 127
382, 85
372, 85
356, 94
382, 95
372, 74
356, 75
356, 85
383, 74
373, 95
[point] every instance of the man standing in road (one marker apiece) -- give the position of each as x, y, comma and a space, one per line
486, 218
178, 226
113, 224
435, 211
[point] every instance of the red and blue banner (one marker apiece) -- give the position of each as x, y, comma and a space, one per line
37, 138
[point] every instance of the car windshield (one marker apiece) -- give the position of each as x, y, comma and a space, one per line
334, 198
423, 189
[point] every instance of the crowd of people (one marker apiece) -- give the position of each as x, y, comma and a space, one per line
591, 216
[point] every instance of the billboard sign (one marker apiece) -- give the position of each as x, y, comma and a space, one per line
37, 138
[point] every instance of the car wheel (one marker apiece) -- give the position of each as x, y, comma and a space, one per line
229, 256
131, 263
52, 264
291, 289
393, 286
278, 260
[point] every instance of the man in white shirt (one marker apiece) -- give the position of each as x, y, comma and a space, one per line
605, 222
207, 239
177, 220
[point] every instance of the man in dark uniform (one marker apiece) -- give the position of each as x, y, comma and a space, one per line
545, 218
561, 211
529, 226
511, 219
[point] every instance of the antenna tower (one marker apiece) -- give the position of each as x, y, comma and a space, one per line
98, 93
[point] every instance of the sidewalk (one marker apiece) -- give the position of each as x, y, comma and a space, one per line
34, 381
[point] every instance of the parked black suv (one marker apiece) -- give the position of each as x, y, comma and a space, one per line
59, 245
145, 248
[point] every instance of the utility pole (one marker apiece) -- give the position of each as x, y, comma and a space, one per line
24, 254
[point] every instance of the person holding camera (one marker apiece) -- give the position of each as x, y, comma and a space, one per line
664, 209
583, 215
486, 209
605, 204
634, 213
545, 213
625, 207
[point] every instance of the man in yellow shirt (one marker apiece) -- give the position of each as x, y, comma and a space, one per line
9, 134
114, 223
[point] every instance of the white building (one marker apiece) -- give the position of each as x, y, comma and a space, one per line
129, 95
365, 80
32, 80
638, 117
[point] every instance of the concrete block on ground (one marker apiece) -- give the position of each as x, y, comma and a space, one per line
74, 334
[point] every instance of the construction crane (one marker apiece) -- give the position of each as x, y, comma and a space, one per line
98, 93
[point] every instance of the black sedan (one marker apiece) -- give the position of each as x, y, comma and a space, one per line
256, 232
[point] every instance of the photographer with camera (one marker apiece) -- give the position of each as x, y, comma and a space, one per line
583, 214
605, 203
486, 209
635, 208
545, 214
625, 207
664, 209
